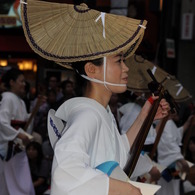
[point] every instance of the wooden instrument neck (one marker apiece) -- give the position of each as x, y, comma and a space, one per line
141, 137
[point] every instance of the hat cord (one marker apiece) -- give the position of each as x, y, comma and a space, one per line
142, 26
154, 70
102, 16
22, 1
180, 88
104, 60
102, 82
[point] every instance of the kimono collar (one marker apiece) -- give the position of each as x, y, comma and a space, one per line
71, 105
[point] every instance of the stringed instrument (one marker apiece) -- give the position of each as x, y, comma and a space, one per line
158, 136
146, 178
158, 90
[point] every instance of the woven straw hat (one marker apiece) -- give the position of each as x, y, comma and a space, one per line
176, 89
67, 33
138, 76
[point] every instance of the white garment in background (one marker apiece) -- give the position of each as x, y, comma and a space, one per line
169, 188
12, 108
130, 111
188, 187
17, 175
169, 145
168, 152
142, 167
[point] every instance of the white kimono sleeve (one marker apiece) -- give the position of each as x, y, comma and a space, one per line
7, 132
72, 172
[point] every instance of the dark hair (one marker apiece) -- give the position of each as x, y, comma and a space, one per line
38, 147
11, 74
79, 67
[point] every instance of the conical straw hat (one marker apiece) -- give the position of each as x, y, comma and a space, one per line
66, 33
139, 78
176, 89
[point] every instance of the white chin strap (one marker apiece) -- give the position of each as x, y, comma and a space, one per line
103, 82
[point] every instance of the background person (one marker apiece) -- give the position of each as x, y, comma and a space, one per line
13, 117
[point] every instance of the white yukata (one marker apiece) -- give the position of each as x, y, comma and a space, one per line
168, 152
13, 108
90, 138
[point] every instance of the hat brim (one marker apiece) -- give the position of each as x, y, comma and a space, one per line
66, 33
176, 90
139, 78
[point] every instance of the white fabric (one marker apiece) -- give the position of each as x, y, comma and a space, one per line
17, 175
130, 112
169, 144
55, 127
169, 188
12, 108
91, 138
188, 187
142, 167
168, 152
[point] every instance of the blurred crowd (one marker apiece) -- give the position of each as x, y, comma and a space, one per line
20, 103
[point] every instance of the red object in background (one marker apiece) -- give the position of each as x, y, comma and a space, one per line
16, 4
11, 43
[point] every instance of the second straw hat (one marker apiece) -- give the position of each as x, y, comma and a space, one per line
139, 78
66, 33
